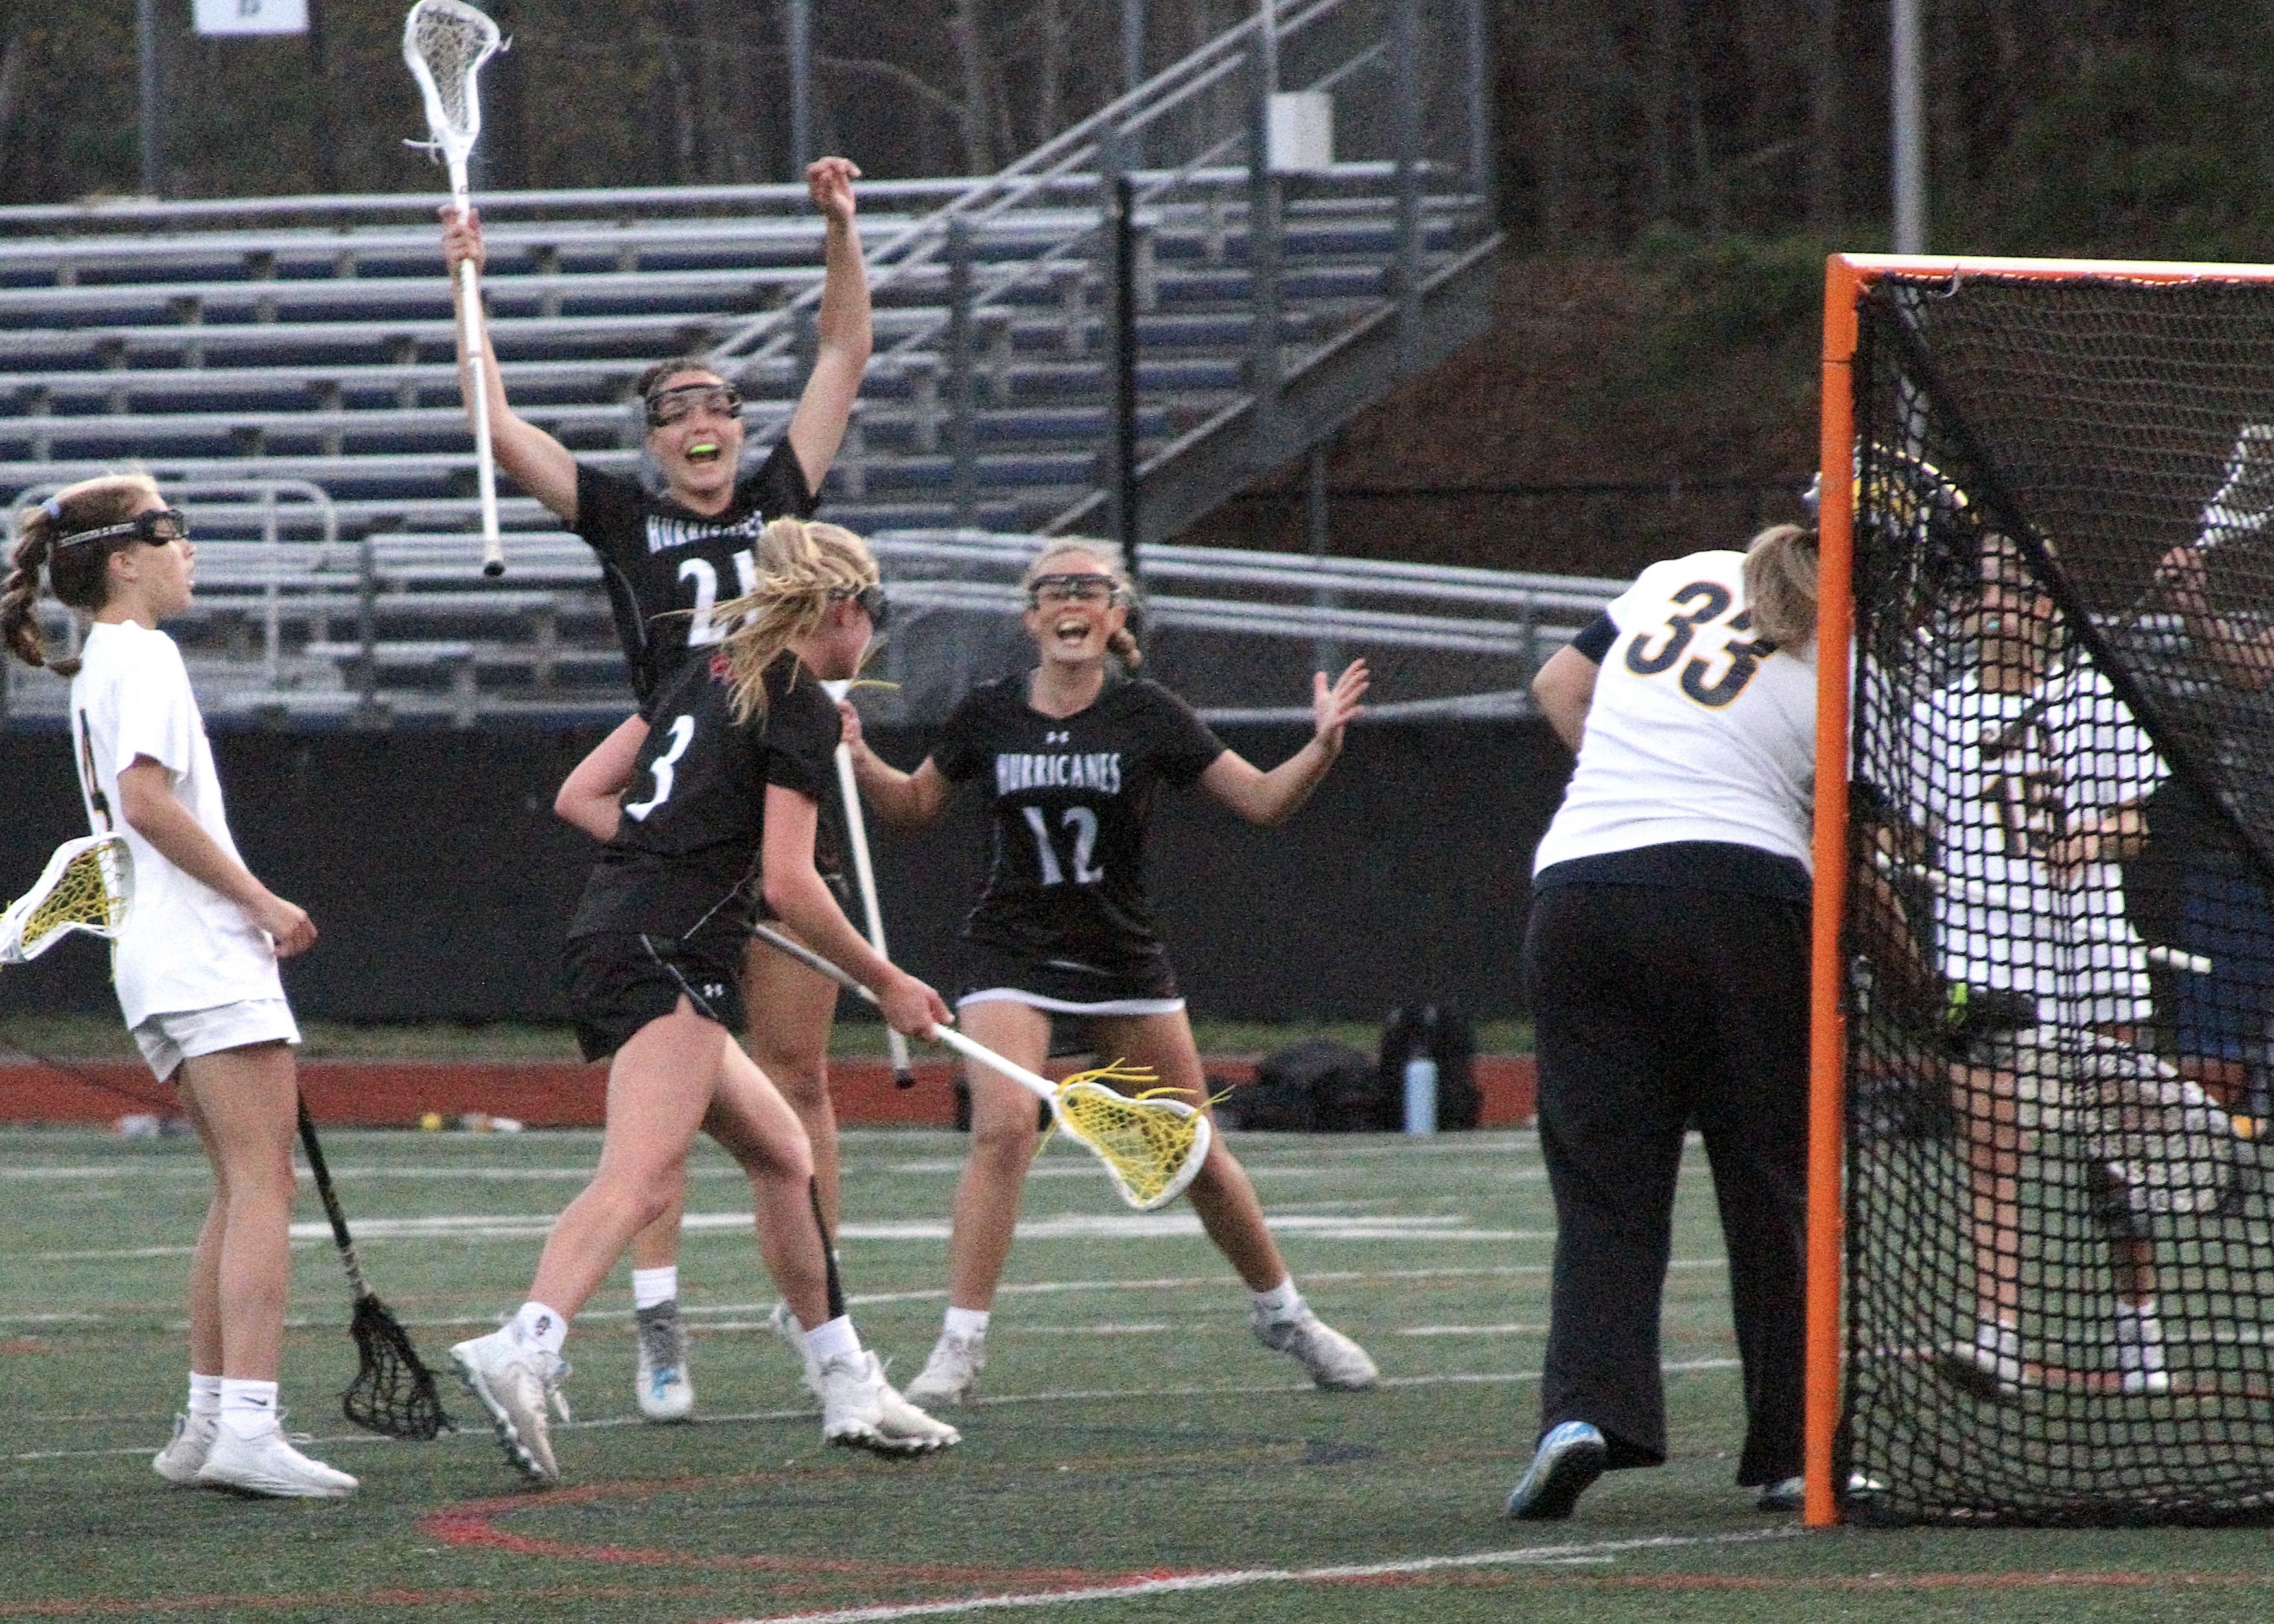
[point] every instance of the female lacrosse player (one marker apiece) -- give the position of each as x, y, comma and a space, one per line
195, 964
669, 560
1073, 755
734, 768
1667, 960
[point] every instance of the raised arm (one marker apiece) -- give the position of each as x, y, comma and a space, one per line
531, 457
591, 797
816, 428
803, 901
1272, 797
2243, 661
148, 802
904, 800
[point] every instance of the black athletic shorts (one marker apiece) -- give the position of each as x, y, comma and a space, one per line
1065, 986
620, 980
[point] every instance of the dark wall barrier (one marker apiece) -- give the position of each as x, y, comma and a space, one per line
440, 880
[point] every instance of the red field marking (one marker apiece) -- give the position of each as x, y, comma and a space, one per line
472, 1524
559, 1094
273, 1601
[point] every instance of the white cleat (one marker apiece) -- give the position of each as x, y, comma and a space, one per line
1332, 1359
269, 1465
179, 1460
513, 1380
784, 1324
902, 1423
860, 1410
664, 1387
951, 1376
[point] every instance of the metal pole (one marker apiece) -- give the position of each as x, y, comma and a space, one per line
1909, 130
1263, 245
800, 86
1124, 371
1325, 654
962, 436
145, 51
1476, 66
1132, 73
1405, 79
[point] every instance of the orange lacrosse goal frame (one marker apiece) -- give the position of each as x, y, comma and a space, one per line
1847, 277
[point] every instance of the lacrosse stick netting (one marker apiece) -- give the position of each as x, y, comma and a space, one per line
445, 43
88, 885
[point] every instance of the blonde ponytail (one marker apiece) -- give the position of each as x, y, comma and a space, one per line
802, 568
1781, 583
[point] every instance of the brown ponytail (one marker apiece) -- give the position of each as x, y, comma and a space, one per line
1123, 644
80, 576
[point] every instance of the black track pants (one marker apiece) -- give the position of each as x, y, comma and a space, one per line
1656, 1007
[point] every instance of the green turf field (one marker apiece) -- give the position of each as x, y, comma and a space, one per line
1133, 1438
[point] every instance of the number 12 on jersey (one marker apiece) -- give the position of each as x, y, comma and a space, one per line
1083, 822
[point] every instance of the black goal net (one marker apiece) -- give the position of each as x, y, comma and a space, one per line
2060, 925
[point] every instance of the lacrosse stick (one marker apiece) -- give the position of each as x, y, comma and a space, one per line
1151, 1147
1978, 895
393, 1393
88, 885
445, 43
856, 835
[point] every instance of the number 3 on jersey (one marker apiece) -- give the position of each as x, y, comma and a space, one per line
665, 767
1706, 602
702, 625
1083, 822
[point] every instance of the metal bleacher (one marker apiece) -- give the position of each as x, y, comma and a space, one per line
285, 365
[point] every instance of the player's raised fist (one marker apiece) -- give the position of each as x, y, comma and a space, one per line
830, 181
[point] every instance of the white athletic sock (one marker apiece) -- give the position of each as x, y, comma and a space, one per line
834, 1338
651, 1287
540, 1326
248, 1408
967, 1322
1282, 1302
205, 1395
2139, 1336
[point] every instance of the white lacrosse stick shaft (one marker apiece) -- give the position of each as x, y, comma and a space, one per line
1033, 1082
856, 835
469, 319
1978, 895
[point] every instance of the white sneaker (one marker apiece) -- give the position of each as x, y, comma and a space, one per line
664, 1388
193, 1441
784, 1324
1332, 1359
951, 1376
1989, 1366
513, 1380
269, 1464
902, 1423
854, 1408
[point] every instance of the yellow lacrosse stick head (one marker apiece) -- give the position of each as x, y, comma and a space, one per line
88, 885
1152, 1144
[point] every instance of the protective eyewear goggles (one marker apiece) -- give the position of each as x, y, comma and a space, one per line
159, 527
1056, 589
872, 601
666, 407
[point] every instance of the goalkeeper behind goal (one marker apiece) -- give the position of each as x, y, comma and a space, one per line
2042, 1287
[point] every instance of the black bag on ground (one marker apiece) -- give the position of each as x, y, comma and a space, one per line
1446, 1035
1315, 1086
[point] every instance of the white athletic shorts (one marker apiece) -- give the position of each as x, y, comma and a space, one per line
166, 1040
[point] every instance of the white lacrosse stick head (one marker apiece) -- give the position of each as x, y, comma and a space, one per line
88, 885
445, 43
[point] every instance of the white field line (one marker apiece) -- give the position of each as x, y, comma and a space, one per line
1458, 1379
1527, 1556
1474, 1331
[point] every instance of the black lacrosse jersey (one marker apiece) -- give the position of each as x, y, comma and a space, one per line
1069, 799
668, 569
686, 857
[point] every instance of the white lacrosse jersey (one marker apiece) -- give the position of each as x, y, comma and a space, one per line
1699, 731
184, 946
1998, 779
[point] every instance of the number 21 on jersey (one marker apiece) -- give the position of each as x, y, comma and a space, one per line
704, 626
